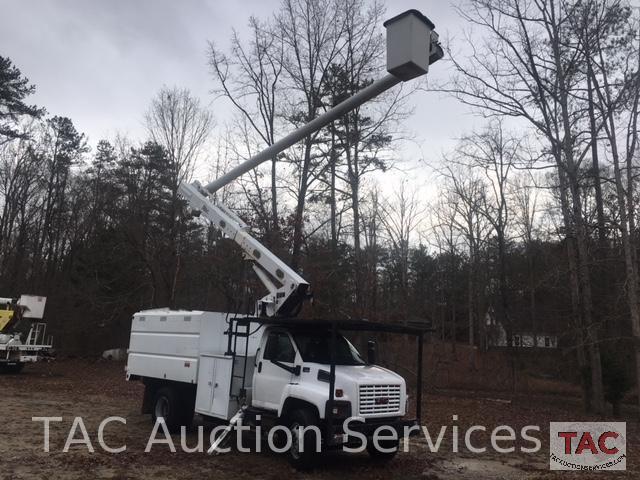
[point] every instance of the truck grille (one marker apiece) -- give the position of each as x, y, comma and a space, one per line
379, 399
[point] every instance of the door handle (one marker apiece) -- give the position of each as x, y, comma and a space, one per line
259, 367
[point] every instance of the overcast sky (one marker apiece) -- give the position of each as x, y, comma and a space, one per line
101, 62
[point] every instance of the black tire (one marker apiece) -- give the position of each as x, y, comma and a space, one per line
170, 405
13, 368
379, 455
306, 459
188, 407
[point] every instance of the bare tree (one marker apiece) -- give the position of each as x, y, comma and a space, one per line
19, 188
372, 232
362, 138
527, 67
494, 152
469, 189
251, 79
449, 243
178, 122
61, 146
525, 210
401, 216
311, 33
607, 32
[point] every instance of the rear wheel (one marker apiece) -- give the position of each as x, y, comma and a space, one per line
173, 407
304, 454
383, 456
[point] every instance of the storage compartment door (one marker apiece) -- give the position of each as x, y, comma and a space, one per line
204, 392
214, 386
221, 386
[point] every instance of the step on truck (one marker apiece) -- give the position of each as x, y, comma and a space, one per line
274, 368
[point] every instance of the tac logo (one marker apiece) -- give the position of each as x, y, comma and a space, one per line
588, 446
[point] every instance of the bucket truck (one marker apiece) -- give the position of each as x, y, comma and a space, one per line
272, 368
23, 336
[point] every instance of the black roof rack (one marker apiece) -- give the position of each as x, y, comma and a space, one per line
348, 325
342, 324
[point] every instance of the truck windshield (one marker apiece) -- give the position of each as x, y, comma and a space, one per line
315, 347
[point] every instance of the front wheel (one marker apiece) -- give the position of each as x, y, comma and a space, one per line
383, 455
304, 454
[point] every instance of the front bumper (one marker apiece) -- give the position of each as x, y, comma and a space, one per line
342, 434
19, 353
368, 427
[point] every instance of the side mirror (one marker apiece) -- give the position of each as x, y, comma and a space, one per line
293, 370
372, 348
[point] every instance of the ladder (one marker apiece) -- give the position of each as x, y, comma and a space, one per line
36, 333
236, 331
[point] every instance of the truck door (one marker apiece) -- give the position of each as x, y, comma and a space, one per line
270, 379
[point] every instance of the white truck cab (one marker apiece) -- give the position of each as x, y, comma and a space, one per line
294, 363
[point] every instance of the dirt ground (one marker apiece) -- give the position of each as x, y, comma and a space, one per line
95, 390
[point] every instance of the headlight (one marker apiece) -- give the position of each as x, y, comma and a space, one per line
341, 409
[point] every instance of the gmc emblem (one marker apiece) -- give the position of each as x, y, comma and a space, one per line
382, 401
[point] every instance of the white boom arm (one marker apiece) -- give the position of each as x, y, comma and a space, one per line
412, 45
286, 288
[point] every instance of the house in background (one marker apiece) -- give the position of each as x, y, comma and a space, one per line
541, 340
497, 335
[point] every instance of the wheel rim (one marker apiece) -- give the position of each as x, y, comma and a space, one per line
162, 408
295, 443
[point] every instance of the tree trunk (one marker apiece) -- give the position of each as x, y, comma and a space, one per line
357, 257
274, 201
597, 183
470, 299
298, 222
574, 286
332, 194
566, 150
591, 327
532, 299
629, 247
